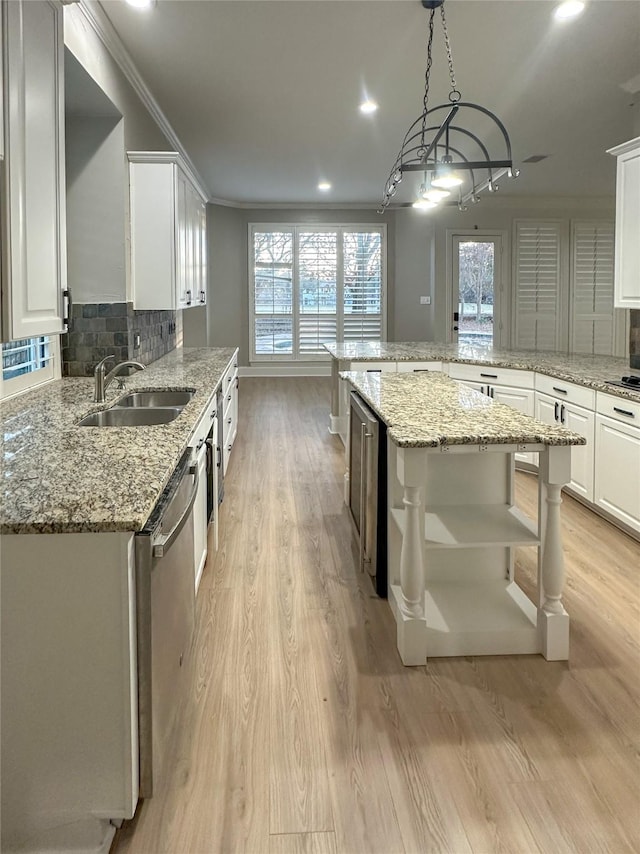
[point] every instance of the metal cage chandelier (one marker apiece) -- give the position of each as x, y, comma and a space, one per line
455, 163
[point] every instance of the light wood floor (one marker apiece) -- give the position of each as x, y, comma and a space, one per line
304, 733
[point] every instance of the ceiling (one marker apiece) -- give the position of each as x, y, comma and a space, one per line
264, 95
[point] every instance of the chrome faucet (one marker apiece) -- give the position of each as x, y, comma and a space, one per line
102, 381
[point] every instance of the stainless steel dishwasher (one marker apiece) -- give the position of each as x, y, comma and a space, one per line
165, 605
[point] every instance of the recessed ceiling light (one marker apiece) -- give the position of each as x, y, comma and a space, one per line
569, 9
141, 4
324, 186
367, 107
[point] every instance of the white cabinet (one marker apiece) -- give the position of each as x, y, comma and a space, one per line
69, 689
418, 367
627, 251
617, 478
551, 410
32, 209
505, 385
230, 410
168, 233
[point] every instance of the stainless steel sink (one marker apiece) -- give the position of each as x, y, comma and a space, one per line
143, 399
131, 417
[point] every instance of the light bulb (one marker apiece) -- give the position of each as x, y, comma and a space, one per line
424, 205
141, 4
569, 9
435, 194
324, 186
445, 177
368, 107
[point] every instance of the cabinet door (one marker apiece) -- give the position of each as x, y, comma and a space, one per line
547, 409
520, 399
202, 253
581, 421
200, 521
33, 214
617, 484
627, 253
182, 259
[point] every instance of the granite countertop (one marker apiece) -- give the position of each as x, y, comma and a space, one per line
58, 477
430, 410
586, 370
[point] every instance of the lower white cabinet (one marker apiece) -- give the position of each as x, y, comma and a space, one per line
69, 689
418, 367
230, 385
552, 410
617, 479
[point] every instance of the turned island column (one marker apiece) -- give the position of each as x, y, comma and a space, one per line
407, 598
553, 620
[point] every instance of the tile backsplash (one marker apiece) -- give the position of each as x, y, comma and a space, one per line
634, 339
98, 329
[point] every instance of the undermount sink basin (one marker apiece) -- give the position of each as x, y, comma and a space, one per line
131, 417
144, 399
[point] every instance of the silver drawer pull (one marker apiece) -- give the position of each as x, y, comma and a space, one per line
560, 390
624, 412
490, 376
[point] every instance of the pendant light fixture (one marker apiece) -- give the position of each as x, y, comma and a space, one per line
443, 146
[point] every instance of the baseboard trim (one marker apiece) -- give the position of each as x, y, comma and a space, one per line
270, 370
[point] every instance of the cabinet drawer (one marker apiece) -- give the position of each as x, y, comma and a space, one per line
568, 392
492, 375
375, 367
415, 367
204, 425
620, 408
229, 376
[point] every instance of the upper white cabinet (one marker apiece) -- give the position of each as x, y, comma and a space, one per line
168, 233
32, 209
627, 253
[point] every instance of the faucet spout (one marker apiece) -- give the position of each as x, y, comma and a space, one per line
103, 382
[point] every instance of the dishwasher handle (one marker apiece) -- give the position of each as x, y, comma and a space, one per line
165, 542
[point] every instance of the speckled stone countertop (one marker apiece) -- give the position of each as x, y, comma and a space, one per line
590, 371
429, 410
58, 477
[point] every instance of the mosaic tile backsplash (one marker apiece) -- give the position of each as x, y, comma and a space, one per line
634, 339
98, 329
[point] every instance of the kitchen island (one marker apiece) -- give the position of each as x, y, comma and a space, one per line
453, 526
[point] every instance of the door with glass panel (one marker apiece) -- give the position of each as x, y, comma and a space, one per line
476, 265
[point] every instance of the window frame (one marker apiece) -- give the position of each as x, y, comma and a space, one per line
295, 227
34, 379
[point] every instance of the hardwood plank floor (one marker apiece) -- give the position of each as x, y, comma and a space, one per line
303, 732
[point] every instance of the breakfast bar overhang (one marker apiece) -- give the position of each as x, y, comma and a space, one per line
453, 526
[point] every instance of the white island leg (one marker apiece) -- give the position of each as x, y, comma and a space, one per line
408, 598
553, 620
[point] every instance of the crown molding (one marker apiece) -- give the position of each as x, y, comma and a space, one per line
104, 29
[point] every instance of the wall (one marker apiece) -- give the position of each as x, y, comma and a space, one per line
96, 200
141, 133
228, 230
417, 259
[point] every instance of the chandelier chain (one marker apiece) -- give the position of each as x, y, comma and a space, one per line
452, 74
427, 76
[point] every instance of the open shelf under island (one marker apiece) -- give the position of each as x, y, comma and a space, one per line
452, 523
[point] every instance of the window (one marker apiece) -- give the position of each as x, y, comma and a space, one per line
27, 363
315, 285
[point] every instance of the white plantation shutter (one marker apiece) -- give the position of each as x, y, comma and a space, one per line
362, 266
592, 313
315, 286
317, 289
537, 285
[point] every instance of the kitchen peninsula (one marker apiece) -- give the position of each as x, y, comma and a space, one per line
84, 619
452, 521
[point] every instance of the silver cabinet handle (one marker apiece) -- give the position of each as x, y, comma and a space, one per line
165, 543
626, 412
562, 414
556, 406
560, 390
363, 484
